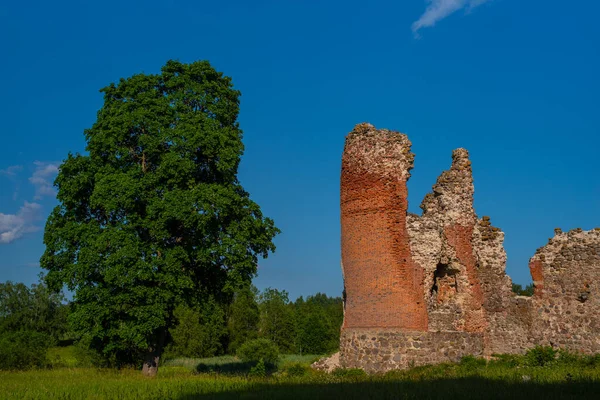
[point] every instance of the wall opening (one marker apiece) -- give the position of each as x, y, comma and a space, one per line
445, 283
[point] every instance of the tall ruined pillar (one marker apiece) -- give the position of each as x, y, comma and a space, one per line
383, 286
457, 297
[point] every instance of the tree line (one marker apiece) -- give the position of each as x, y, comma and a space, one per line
523, 291
32, 319
304, 326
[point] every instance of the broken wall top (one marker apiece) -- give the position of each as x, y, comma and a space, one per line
378, 152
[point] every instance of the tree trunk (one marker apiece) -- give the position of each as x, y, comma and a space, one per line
152, 358
150, 367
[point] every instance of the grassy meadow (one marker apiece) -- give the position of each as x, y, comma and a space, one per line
227, 378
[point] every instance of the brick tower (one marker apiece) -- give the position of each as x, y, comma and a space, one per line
383, 286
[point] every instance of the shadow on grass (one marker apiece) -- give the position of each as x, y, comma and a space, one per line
232, 368
463, 388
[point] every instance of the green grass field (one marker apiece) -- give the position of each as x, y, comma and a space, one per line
179, 379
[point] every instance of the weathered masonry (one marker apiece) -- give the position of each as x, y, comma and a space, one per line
433, 288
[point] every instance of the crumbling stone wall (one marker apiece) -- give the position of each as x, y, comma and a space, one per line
377, 350
566, 303
432, 288
445, 251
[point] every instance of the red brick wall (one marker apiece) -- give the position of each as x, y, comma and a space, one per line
384, 288
460, 238
536, 267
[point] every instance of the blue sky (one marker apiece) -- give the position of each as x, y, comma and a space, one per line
514, 82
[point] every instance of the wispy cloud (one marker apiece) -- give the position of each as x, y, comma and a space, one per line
26, 220
440, 9
11, 171
14, 226
42, 179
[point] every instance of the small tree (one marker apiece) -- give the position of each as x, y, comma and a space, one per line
199, 331
244, 316
277, 318
154, 216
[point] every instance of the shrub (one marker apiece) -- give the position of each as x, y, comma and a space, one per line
86, 356
591, 360
259, 349
472, 363
23, 350
567, 357
507, 360
259, 370
296, 369
540, 356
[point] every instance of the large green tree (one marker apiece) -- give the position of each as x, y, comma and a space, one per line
154, 215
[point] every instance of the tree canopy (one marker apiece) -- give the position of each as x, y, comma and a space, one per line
154, 216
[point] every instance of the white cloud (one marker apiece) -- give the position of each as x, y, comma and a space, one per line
11, 171
13, 226
42, 179
440, 9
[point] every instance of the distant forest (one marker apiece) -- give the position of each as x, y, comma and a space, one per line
518, 289
36, 318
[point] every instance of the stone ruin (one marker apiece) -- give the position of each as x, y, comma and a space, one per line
433, 288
